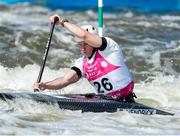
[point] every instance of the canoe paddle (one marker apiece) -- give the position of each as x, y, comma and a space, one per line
46, 51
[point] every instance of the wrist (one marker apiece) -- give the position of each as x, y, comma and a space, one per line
63, 21
43, 86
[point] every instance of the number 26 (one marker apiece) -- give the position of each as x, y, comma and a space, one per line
105, 84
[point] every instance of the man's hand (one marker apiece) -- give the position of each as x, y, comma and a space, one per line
40, 86
54, 17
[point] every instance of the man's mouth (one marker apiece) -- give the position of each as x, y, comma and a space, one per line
83, 52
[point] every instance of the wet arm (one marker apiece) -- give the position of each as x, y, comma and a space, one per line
91, 39
61, 82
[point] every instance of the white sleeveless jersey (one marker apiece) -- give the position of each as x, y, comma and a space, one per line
106, 70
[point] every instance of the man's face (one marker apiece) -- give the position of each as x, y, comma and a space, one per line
85, 49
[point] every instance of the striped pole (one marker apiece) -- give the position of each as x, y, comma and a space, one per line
100, 17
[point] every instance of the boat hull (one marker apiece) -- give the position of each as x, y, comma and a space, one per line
86, 104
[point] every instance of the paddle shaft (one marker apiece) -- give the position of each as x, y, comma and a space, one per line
46, 51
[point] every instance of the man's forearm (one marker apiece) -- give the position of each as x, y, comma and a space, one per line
77, 31
55, 84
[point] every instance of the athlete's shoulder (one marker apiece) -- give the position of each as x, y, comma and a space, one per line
111, 44
110, 41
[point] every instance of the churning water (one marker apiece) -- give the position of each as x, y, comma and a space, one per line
151, 44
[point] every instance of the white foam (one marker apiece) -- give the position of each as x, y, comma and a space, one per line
170, 18
19, 78
163, 89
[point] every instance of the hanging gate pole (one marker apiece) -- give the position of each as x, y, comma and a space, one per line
100, 18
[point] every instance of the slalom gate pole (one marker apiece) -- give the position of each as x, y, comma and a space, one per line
100, 18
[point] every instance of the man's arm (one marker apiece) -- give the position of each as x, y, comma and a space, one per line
93, 40
58, 83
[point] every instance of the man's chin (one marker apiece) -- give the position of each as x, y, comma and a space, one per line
84, 53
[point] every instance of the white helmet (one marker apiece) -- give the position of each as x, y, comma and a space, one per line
90, 29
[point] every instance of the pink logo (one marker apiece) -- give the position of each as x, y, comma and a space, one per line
98, 68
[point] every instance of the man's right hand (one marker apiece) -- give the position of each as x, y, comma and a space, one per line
40, 86
52, 19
